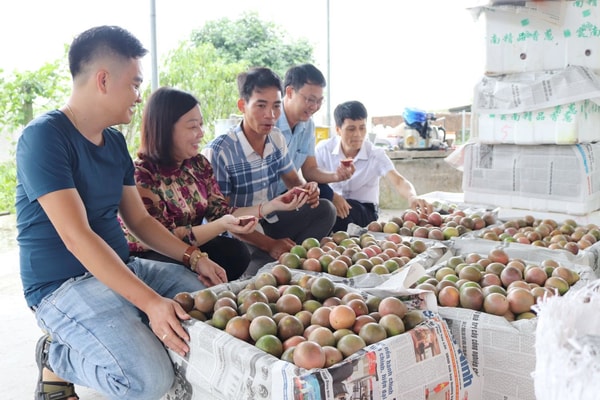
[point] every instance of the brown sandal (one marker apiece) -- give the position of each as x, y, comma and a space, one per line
50, 390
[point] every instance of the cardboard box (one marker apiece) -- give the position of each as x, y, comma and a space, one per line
563, 179
555, 34
572, 123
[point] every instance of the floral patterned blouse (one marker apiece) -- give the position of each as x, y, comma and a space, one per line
179, 196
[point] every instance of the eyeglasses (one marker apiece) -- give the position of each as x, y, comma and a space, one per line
311, 101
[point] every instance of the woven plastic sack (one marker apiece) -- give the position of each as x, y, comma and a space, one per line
568, 345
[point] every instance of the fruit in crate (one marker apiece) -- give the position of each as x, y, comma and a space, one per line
435, 225
314, 323
496, 284
567, 235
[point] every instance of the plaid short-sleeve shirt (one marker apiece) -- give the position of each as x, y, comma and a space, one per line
243, 175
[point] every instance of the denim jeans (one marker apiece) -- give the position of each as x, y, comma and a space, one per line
102, 341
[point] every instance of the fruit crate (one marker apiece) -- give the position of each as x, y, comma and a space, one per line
220, 366
502, 352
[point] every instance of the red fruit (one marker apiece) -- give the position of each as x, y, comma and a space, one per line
411, 215
435, 218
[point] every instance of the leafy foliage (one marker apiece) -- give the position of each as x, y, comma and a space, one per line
206, 65
257, 42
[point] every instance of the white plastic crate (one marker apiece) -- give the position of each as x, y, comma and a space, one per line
564, 179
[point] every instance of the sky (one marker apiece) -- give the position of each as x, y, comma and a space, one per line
389, 54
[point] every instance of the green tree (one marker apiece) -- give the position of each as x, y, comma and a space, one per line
23, 96
206, 65
200, 70
257, 42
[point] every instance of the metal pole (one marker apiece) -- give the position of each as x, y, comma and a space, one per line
328, 117
153, 55
462, 132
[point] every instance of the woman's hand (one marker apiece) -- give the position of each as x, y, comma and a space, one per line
241, 225
209, 272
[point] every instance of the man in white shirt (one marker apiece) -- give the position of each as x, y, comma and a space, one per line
357, 199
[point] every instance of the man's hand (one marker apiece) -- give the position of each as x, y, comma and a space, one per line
313, 194
342, 207
345, 170
420, 205
290, 200
280, 246
164, 316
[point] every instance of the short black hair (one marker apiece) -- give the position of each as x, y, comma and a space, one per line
258, 77
102, 41
303, 74
354, 110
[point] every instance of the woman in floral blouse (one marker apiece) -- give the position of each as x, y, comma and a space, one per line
178, 187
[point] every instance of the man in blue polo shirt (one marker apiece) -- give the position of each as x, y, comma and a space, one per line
302, 98
249, 162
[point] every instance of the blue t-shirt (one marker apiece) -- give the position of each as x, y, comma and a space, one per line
300, 142
52, 155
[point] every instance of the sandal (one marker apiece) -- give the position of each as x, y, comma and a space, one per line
50, 390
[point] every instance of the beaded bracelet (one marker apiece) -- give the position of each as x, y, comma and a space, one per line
195, 258
187, 255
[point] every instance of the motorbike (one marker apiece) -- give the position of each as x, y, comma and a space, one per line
419, 133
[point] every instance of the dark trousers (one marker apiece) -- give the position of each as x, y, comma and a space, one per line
228, 252
297, 225
360, 213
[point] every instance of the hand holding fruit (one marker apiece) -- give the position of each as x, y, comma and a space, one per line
286, 202
345, 170
242, 225
313, 194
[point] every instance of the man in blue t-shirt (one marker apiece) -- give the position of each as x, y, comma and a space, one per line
107, 316
302, 97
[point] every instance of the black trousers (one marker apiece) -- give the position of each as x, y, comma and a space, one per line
228, 252
360, 213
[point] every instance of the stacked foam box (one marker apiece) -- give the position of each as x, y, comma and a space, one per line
536, 110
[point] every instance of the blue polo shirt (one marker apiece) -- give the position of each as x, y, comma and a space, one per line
52, 155
300, 142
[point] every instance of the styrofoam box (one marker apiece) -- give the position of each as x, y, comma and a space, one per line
518, 43
554, 178
572, 123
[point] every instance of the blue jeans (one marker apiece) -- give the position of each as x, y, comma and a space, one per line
102, 341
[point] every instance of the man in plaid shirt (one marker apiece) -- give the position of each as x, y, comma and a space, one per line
249, 162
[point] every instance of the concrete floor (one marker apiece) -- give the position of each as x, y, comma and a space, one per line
18, 329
